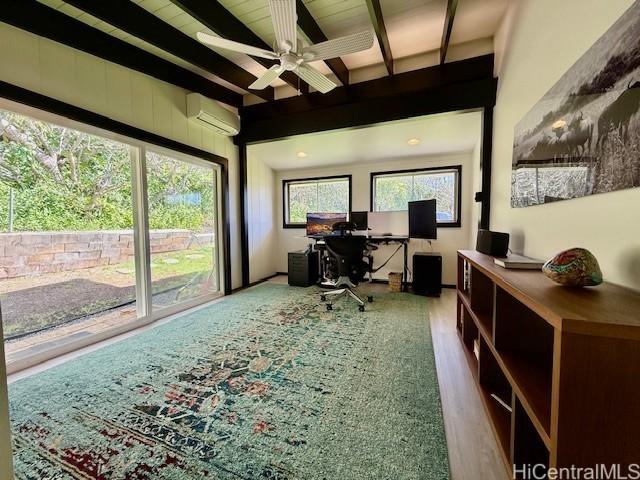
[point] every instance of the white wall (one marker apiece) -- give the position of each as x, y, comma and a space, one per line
449, 239
119, 93
262, 218
538, 42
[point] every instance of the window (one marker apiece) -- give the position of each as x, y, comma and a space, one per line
98, 232
391, 191
315, 195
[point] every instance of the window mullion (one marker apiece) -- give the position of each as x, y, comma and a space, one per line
142, 251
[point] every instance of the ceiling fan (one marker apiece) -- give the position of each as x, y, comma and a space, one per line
288, 49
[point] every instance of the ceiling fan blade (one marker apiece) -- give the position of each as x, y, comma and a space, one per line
235, 46
314, 78
339, 46
285, 20
267, 77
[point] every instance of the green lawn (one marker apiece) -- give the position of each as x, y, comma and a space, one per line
173, 264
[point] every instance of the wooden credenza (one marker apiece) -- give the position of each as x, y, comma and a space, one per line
558, 369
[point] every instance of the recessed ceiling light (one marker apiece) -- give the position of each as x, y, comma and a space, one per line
413, 141
301, 154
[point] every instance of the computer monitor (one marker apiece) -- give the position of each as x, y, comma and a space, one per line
422, 220
389, 223
322, 223
361, 219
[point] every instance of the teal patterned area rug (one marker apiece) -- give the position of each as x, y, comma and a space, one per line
265, 384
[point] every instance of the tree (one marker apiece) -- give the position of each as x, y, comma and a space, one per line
64, 179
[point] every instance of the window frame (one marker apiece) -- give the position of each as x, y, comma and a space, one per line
285, 196
457, 169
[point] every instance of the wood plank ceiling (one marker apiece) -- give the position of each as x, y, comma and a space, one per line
158, 37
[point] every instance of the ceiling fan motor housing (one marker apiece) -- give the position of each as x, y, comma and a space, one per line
290, 61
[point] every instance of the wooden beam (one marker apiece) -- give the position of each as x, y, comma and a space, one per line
485, 167
402, 83
244, 213
468, 84
40, 20
375, 12
452, 5
219, 20
138, 22
312, 30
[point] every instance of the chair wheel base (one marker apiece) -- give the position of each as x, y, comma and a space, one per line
361, 308
370, 299
329, 307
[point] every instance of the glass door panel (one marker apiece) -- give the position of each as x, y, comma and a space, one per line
182, 202
67, 262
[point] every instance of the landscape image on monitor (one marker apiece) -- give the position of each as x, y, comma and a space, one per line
321, 223
583, 137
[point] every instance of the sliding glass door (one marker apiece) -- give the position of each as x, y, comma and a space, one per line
67, 234
98, 233
183, 206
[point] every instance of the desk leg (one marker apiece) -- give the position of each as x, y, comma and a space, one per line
405, 277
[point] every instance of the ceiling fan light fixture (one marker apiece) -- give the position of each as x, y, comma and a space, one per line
290, 52
413, 142
301, 154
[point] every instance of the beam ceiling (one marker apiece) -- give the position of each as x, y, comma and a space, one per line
47, 22
313, 31
219, 20
138, 22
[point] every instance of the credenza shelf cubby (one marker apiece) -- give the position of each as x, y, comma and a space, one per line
555, 367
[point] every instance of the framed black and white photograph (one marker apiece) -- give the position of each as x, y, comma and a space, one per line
583, 137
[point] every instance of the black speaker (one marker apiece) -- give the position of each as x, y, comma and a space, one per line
427, 274
492, 243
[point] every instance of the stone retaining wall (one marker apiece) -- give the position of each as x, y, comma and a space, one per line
33, 253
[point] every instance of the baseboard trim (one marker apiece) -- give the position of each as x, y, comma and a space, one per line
257, 282
375, 280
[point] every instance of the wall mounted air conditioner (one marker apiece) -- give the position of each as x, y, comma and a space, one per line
210, 115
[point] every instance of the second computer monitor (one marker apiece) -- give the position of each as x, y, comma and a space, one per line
422, 220
361, 219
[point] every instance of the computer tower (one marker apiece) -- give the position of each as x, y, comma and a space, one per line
303, 268
427, 274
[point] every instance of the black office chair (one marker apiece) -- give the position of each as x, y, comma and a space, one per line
347, 262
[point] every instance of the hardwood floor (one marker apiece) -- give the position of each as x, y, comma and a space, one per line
473, 451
